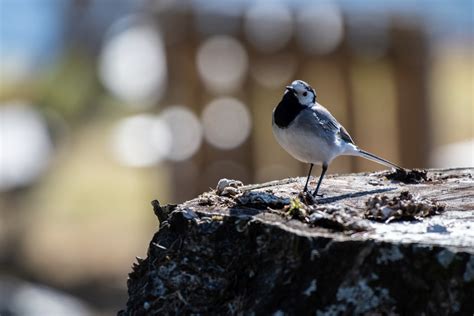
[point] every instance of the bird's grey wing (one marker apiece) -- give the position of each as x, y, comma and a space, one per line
345, 135
330, 124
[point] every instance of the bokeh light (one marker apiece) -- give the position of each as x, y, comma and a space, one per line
268, 26
133, 64
25, 144
141, 140
186, 132
319, 28
226, 122
459, 154
222, 63
34, 300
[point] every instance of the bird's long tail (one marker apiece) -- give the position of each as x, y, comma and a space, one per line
362, 153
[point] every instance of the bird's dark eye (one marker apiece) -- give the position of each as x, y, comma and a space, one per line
305, 93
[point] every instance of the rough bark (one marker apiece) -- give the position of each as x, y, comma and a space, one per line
372, 245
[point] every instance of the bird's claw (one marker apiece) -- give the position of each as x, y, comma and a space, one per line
307, 198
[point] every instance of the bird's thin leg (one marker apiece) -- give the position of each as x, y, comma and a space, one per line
325, 168
307, 179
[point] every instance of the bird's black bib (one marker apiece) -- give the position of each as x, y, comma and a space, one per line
287, 110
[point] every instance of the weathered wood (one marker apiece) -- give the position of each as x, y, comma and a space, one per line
260, 249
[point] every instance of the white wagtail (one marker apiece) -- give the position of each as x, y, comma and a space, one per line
308, 132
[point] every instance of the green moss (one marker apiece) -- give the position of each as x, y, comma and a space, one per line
296, 209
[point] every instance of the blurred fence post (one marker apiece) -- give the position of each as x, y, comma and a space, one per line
181, 46
411, 57
345, 57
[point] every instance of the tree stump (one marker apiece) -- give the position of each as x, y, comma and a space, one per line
375, 243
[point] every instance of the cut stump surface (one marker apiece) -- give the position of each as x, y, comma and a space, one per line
371, 244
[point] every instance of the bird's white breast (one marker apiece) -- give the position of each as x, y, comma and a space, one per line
304, 143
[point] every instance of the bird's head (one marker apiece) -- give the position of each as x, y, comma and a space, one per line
303, 92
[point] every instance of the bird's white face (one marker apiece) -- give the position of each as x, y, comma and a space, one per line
303, 91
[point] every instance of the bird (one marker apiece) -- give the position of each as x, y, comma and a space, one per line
309, 132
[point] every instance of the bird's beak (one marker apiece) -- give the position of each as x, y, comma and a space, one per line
290, 88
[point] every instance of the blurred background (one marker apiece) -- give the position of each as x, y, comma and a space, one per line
106, 105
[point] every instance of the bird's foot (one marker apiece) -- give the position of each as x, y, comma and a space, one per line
307, 198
